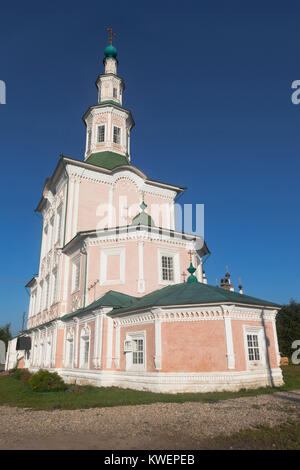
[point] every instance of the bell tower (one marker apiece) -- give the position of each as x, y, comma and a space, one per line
108, 124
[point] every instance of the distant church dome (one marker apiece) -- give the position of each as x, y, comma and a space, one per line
110, 52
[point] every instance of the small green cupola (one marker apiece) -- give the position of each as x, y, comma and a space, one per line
110, 52
143, 218
191, 270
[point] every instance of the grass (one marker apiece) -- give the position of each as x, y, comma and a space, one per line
284, 437
13, 393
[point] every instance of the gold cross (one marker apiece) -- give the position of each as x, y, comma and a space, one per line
190, 253
111, 34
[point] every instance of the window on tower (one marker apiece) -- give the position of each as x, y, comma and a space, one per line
117, 135
167, 268
101, 133
89, 140
76, 274
115, 93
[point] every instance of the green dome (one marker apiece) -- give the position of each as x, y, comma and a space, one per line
110, 52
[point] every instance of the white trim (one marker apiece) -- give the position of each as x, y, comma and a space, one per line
158, 355
141, 281
259, 331
229, 343
176, 266
172, 382
109, 342
131, 336
103, 266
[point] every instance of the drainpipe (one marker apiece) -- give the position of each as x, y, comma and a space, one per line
84, 251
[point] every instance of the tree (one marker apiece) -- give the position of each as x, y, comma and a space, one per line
5, 333
288, 327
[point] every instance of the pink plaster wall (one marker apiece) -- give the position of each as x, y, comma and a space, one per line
193, 346
239, 344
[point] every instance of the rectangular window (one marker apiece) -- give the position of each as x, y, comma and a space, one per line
253, 348
76, 274
58, 224
89, 140
117, 135
115, 93
101, 133
45, 242
167, 268
54, 288
51, 233
138, 351
41, 288
46, 292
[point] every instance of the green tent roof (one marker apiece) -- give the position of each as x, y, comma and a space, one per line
109, 299
192, 294
108, 160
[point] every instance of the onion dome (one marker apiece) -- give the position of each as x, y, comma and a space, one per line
110, 52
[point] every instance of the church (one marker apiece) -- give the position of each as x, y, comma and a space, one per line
110, 305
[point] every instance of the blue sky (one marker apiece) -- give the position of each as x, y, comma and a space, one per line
209, 86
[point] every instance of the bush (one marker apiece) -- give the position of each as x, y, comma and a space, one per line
16, 373
25, 376
44, 381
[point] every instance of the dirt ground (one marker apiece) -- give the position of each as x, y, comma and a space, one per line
150, 427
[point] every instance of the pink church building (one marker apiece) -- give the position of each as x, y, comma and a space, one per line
110, 305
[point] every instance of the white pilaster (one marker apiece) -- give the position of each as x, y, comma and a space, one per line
157, 357
109, 342
229, 343
117, 347
141, 281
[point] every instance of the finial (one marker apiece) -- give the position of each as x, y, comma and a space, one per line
190, 253
191, 270
111, 35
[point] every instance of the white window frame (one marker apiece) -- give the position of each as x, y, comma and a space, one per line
119, 135
135, 336
176, 266
259, 331
98, 127
103, 266
76, 263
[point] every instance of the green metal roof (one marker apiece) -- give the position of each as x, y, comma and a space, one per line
109, 299
108, 160
194, 293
